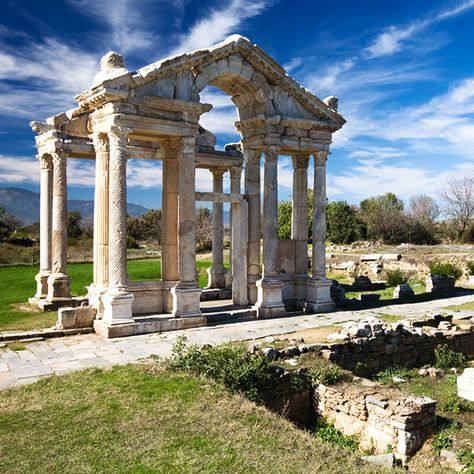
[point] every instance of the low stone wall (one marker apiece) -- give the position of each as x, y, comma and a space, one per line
370, 346
382, 417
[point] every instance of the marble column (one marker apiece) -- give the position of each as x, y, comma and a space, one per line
252, 194
269, 302
299, 225
169, 221
239, 239
58, 281
117, 300
318, 286
46, 200
216, 272
101, 223
186, 294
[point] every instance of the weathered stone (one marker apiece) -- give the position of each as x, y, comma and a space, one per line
271, 353
403, 291
80, 317
465, 384
386, 460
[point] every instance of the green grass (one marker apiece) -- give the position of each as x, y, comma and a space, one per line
130, 420
17, 284
461, 307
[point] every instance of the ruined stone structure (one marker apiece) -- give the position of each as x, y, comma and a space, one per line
153, 113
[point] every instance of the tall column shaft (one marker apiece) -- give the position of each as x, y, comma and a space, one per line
186, 294
101, 212
169, 214
58, 281
270, 212
319, 216
252, 194
217, 271
270, 288
46, 200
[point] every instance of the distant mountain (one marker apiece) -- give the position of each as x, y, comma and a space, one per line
25, 205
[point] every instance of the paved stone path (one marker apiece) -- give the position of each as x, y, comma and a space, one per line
62, 355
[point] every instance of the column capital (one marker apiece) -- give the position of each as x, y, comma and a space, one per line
46, 161
271, 153
235, 172
171, 148
320, 158
59, 158
100, 141
300, 161
217, 173
118, 136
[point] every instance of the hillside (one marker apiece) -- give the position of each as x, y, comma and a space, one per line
25, 205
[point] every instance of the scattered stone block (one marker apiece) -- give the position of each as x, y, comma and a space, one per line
386, 460
369, 297
439, 284
362, 283
336, 337
72, 318
371, 257
403, 291
465, 384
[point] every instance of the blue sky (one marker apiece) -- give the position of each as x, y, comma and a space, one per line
403, 72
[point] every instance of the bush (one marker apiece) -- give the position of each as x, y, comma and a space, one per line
385, 377
233, 366
456, 405
328, 374
329, 433
466, 457
132, 243
470, 267
395, 277
445, 269
445, 358
442, 441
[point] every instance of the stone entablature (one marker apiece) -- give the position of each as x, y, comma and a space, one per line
154, 113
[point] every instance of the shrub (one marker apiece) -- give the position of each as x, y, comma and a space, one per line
445, 358
445, 269
328, 432
395, 277
132, 243
441, 441
470, 267
466, 457
328, 374
455, 405
233, 366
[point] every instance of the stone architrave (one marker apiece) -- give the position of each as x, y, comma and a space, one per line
46, 199
101, 223
217, 272
186, 294
270, 287
318, 297
252, 194
299, 224
58, 280
117, 299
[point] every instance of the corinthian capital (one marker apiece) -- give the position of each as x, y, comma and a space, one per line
46, 162
59, 158
300, 161
101, 142
271, 153
320, 158
118, 136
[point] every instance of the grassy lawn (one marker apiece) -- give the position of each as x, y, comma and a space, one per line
133, 421
17, 284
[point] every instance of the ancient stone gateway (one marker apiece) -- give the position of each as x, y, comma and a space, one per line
153, 114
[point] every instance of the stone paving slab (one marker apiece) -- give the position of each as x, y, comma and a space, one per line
43, 358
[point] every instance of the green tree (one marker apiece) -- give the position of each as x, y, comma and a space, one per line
8, 223
146, 227
343, 225
74, 225
384, 218
284, 220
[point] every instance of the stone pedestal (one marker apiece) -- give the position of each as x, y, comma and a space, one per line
186, 301
216, 278
466, 384
269, 303
318, 299
117, 307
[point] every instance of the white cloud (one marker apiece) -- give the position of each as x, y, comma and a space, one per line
394, 38
218, 24
144, 174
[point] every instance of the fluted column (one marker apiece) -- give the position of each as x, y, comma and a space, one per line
58, 281
216, 272
186, 294
269, 303
101, 222
239, 240
319, 287
117, 300
299, 225
252, 194
46, 200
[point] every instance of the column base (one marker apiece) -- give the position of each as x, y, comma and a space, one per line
216, 277
117, 307
41, 285
58, 287
318, 299
228, 279
168, 285
269, 303
252, 288
186, 301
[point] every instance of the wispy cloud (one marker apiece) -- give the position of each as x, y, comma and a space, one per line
394, 38
219, 23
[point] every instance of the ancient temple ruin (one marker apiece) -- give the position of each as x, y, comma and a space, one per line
153, 114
